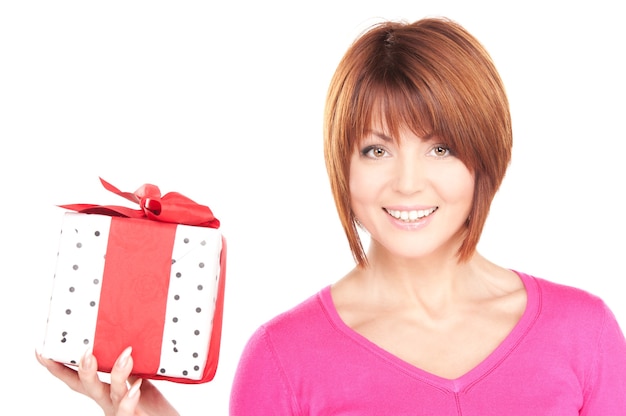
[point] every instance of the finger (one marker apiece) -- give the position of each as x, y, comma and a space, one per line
62, 372
129, 402
91, 383
119, 375
148, 390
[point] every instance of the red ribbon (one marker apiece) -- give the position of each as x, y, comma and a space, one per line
171, 207
133, 297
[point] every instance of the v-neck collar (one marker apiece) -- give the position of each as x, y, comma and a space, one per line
497, 356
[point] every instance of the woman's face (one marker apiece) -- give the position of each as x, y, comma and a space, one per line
412, 196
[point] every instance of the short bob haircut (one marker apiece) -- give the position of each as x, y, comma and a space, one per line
434, 78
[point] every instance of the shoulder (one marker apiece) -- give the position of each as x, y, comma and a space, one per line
566, 303
263, 382
574, 333
562, 295
574, 321
290, 347
299, 325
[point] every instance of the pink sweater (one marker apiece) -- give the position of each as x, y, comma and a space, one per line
566, 356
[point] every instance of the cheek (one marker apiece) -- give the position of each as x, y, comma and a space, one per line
356, 187
363, 183
355, 180
362, 197
457, 185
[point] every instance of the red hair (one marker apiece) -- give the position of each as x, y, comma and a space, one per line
433, 77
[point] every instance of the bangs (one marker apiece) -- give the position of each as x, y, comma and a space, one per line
434, 79
390, 106
393, 101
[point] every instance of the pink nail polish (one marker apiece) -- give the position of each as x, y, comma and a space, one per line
123, 360
87, 359
134, 388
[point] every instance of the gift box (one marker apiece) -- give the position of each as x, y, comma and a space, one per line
152, 278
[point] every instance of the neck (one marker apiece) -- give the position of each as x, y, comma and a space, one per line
433, 282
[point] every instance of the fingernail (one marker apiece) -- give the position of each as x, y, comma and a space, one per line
135, 387
123, 360
39, 357
87, 359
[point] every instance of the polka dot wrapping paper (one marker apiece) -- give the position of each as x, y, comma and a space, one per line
155, 286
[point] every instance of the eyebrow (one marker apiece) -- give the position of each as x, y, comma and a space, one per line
387, 138
381, 135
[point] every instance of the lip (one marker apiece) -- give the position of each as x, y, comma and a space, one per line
409, 208
413, 225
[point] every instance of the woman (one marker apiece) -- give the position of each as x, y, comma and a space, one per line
417, 141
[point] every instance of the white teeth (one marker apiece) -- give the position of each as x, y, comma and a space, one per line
412, 215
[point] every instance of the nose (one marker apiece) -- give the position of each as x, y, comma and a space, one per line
410, 175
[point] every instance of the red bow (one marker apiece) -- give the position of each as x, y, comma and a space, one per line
171, 207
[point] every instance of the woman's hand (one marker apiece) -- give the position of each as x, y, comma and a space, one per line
125, 396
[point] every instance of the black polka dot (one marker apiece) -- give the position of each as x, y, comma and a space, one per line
79, 245
175, 319
195, 355
178, 274
201, 265
63, 339
198, 309
195, 367
64, 333
97, 233
68, 311
185, 373
200, 287
176, 297
162, 371
175, 349
96, 281
203, 243
186, 240
75, 267
174, 341
92, 303
72, 289
196, 332
173, 261
85, 341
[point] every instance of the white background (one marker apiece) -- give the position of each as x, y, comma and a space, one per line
223, 103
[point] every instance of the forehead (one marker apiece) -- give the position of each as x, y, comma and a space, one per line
392, 126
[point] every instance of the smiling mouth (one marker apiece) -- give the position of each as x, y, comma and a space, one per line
410, 216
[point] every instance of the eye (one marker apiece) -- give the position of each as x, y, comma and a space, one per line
374, 152
441, 151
